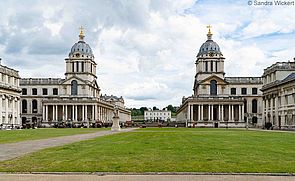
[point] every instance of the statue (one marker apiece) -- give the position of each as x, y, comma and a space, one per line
116, 119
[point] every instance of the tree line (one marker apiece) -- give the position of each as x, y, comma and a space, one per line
140, 111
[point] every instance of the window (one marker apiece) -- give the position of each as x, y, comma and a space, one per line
254, 91
34, 91
73, 67
213, 87
91, 68
44, 91
24, 91
34, 106
254, 106
233, 91
82, 66
206, 66
216, 66
74, 87
24, 106
244, 91
55, 91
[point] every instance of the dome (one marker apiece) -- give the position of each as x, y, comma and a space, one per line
209, 47
81, 48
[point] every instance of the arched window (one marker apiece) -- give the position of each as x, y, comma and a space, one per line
34, 106
74, 87
213, 87
24, 106
254, 106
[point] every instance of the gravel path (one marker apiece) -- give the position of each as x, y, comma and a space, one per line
13, 150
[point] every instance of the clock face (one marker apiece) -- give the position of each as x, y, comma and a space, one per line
78, 55
211, 54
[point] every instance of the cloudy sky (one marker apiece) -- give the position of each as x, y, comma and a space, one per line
145, 49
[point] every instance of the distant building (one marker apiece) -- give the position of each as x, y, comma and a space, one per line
220, 101
10, 97
157, 115
279, 95
74, 100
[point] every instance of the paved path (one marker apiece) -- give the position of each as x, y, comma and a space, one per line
13, 150
46, 177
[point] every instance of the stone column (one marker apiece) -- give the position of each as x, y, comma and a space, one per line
188, 112
83, 113
46, 113
276, 110
53, 112
6, 110
240, 113
17, 111
93, 112
209, 112
86, 112
263, 111
12, 112
232, 113
192, 113
229, 112
219, 113
202, 112
212, 118
199, 112
66, 112
56, 112
76, 112
243, 112
73, 113
222, 113
271, 110
43, 112
96, 112
63, 112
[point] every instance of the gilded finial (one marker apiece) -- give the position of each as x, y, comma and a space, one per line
209, 35
81, 35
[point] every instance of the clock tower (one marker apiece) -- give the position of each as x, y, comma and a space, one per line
209, 63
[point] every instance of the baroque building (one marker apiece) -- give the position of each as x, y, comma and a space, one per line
279, 95
74, 100
9, 98
220, 101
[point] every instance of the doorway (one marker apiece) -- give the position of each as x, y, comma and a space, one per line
215, 125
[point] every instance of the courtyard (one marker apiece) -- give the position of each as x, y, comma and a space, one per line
167, 150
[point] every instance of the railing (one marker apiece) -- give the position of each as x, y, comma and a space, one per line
40, 81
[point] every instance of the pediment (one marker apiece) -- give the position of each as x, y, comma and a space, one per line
219, 80
79, 80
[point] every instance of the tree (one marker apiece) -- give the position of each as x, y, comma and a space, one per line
155, 108
142, 109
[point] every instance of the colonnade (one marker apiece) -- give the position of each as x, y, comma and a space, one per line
211, 114
9, 110
77, 112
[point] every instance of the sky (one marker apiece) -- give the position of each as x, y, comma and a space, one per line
145, 49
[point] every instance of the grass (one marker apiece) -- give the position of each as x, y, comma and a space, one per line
33, 134
167, 150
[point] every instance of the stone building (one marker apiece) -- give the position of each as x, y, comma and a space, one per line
157, 115
74, 100
220, 101
10, 98
279, 95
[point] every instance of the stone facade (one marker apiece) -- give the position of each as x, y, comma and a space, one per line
10, 98
157, 115
220, 101
279, 95
75, 100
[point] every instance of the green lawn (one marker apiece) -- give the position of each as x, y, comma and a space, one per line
33, 134
168, 150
